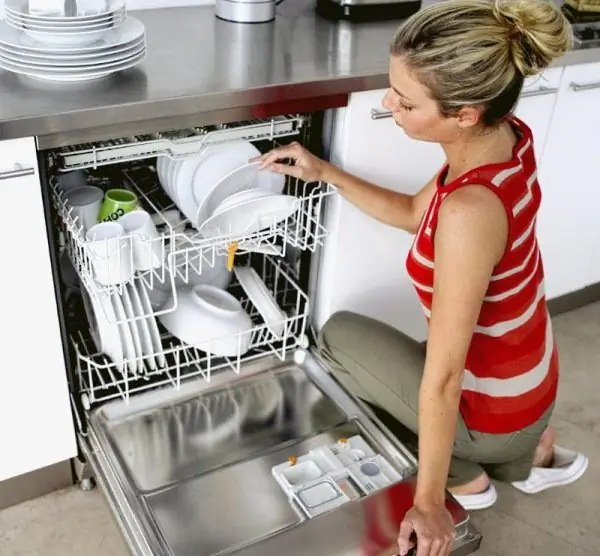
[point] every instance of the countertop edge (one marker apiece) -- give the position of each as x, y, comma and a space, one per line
200, 104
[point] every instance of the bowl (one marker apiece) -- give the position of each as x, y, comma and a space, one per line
210, 319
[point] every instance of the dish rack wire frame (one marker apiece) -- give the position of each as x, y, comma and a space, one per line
185, 251
185, 255
178, 144
100, 380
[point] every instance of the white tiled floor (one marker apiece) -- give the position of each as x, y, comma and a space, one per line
561, 521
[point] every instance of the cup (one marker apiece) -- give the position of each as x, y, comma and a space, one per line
117, 203
71, 180
84, 204
147, 245
110, 252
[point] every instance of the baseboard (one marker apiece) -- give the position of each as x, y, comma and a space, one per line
574, 300
37, 483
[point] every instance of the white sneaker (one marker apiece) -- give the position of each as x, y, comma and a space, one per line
567, 467
481, 501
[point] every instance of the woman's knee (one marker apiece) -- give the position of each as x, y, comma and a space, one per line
339, 327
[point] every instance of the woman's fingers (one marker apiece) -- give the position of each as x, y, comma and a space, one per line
280, 153
288, 170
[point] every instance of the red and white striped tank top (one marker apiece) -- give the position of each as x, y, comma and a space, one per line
511, 370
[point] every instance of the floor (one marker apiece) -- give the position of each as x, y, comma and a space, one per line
560, 521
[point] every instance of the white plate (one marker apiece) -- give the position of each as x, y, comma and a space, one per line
219, 161
251, 216
71, 76
247, 176
104, 333
22, 7
130, 30
183, 186
20, 23
161, 163
25, 27
138, 310
88, 65
242, 197
71, 40
262, 299
151, 321
134, 327
65, 22
87, 68
170, 171
125, 333
68, 55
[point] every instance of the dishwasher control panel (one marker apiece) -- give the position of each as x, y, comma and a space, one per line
330, 476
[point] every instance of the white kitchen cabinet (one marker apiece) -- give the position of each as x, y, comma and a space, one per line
362, 266
567, 225
36, 424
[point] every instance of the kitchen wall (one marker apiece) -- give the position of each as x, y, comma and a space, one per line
145, 4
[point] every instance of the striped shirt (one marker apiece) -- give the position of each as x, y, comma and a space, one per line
511, 369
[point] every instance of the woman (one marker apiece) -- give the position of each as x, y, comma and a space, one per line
482, 396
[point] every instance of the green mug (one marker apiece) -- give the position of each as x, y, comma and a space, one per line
117, 202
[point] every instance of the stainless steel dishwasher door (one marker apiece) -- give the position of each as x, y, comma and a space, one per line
179, 488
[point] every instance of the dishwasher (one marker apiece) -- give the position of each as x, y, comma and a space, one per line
256, 452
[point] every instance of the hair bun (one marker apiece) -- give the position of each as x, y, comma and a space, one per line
537, 31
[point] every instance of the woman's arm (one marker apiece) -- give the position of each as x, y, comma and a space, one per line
470, 240
400, 210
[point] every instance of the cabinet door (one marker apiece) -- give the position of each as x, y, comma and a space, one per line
362, 267
536, 106
567, 225
36, 424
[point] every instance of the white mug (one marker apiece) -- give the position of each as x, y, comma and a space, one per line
147, 242
110, 252
84, 204
71, 180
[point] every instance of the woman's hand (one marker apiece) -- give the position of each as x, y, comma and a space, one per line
433, 528
307, 166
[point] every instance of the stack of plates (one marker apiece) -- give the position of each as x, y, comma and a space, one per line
124, 328
70, 48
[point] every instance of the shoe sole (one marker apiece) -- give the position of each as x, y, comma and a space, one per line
564, 482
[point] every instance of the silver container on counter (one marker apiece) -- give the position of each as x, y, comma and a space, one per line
246, 11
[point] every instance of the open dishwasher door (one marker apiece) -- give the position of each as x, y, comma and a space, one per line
278, 460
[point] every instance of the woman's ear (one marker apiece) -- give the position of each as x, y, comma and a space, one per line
469, 116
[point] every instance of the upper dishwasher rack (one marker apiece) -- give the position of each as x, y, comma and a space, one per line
176, 144
184, 250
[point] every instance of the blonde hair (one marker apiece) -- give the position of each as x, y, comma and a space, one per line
478, 52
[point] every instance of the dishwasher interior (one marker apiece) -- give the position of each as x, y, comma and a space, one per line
234, 444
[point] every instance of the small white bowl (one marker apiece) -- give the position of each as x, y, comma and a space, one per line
210, 319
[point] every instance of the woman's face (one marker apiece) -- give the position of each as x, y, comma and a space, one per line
414, 110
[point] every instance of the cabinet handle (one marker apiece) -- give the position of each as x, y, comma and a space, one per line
586, 87
18, 172
377, 114
539, 92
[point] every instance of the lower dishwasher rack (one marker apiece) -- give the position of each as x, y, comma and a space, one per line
191, 471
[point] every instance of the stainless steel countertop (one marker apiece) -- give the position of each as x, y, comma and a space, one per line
198, 64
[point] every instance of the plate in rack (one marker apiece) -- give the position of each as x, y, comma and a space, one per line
134, 327
151, 321
125, 333
146, 338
